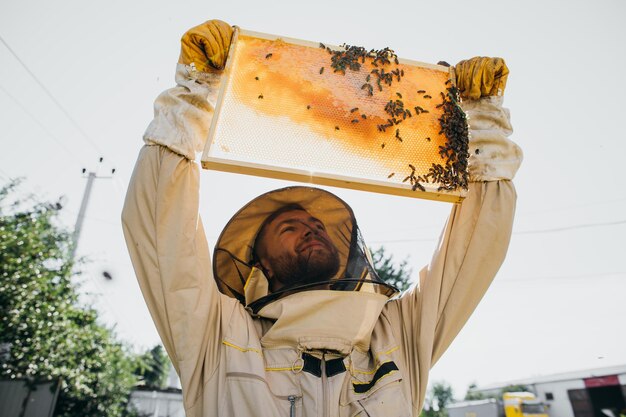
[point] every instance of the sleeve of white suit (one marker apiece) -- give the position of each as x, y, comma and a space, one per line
470, 251
165, 237
182, 115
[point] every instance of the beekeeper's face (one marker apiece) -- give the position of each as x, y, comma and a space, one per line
294, 248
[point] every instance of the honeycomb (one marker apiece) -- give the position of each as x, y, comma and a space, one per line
283, 106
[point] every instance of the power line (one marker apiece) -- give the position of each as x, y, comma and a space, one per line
54, 100
570, 207
564, 228
34, 118
525, 232
564, 277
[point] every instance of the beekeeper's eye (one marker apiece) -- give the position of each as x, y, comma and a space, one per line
287, 229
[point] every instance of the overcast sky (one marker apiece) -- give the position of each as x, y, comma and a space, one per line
92, 70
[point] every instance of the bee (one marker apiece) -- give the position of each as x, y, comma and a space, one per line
322, 46
355, 121
336, 127
268, 56
354, 109
395, 58
448, 81
382, 145
402, 72
421, 91
368, 78
439, 105
419, 186
308, 107
256, 78
425, 111
477, 151
260, 96
428, 139
399, 95
322, 70
363, 116
427, 96
391, 175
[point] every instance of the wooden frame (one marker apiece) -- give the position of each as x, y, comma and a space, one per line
219, 159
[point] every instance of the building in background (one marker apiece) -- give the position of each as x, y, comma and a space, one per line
158, 403
167, 402
23, 398
599, 392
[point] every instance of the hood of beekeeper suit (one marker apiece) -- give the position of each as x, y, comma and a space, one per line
354, 288
234, 257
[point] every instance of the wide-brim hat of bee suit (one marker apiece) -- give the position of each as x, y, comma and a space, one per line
233, 257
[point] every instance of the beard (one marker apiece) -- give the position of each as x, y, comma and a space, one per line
309, 267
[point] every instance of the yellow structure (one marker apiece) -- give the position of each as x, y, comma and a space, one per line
523, 404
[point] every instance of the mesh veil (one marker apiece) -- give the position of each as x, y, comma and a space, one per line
233, 255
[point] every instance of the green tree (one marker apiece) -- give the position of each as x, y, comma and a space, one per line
472, 394
397, 275
438, 397
49, 335
152, 368
515, 388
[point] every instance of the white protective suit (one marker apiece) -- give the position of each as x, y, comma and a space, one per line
317, 353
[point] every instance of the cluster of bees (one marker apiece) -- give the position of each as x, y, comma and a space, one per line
453, 172
453, 122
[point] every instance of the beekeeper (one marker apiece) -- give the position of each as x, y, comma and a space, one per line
290, 319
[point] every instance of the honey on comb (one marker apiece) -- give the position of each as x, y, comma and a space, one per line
294, 87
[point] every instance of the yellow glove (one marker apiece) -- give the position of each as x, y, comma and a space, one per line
481, 76
206, 45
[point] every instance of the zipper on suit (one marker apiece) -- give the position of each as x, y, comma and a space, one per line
325, 387
292, 406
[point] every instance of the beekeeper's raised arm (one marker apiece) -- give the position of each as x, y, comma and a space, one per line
476, 237
161, 223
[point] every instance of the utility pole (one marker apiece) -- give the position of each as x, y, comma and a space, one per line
91, 176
